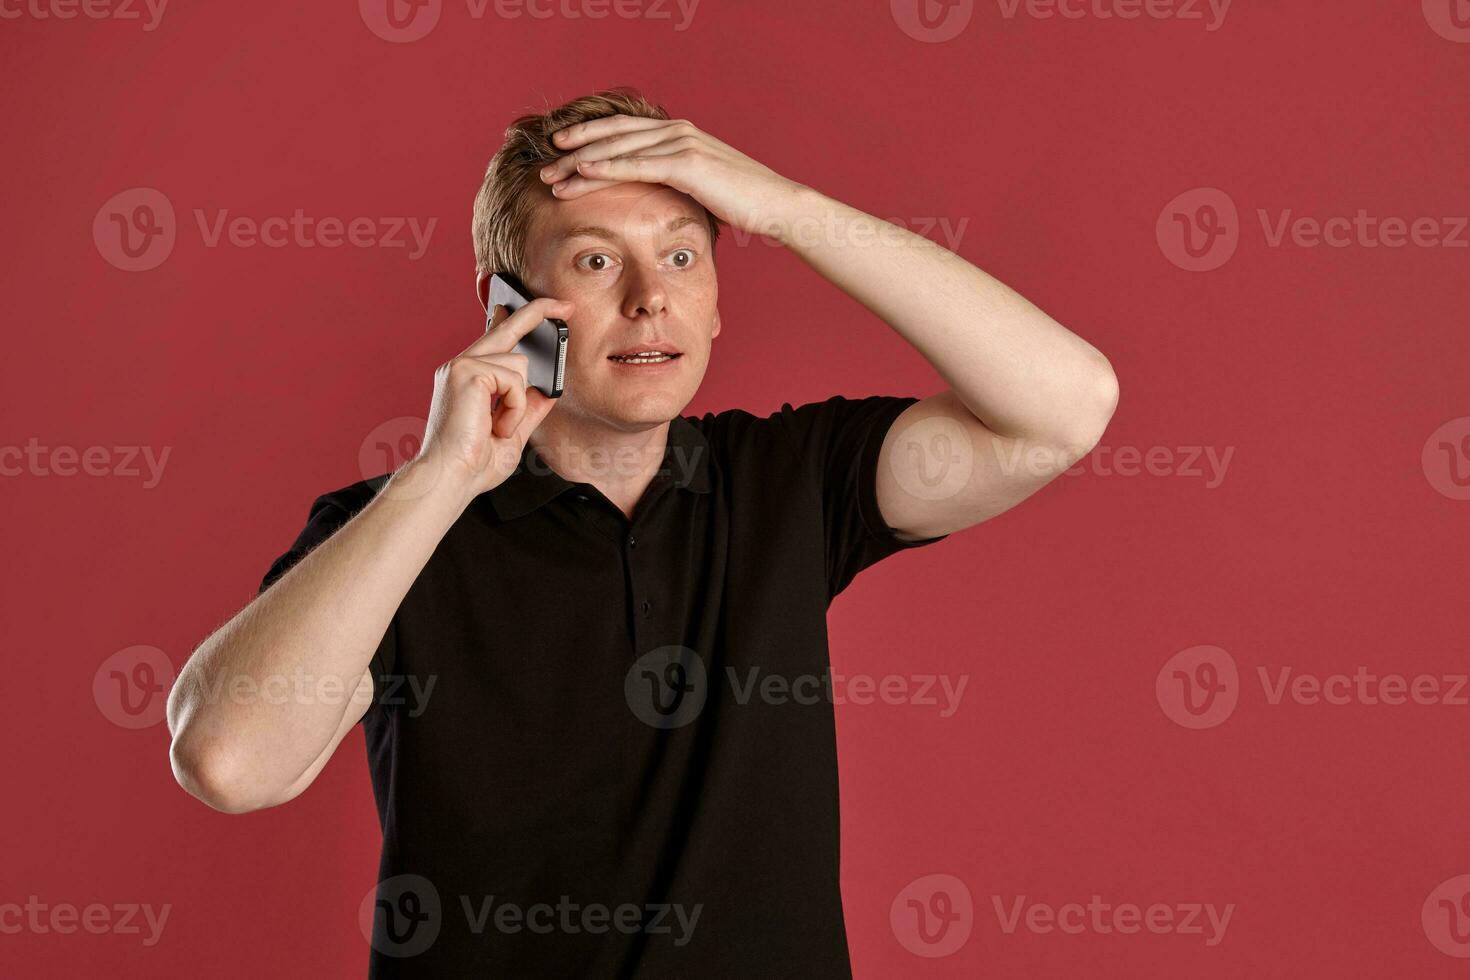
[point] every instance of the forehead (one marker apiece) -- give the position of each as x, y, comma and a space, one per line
626, 212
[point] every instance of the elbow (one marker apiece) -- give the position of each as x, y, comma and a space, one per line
1096, 402
214, 776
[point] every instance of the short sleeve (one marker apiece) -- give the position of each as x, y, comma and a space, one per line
838, 442
328, 513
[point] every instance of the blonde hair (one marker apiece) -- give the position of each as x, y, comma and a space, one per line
508, 194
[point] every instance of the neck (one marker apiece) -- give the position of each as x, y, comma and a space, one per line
620, 463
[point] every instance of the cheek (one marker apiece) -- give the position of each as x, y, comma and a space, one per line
699, 294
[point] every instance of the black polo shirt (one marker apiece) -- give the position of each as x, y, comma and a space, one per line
626, 763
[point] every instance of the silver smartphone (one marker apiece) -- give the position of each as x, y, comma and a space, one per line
545, 345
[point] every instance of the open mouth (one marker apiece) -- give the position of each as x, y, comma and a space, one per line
644, 357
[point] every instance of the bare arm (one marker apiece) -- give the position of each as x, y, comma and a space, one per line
244, 738
1027, 397
244, 731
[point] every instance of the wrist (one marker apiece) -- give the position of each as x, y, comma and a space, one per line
430, 480
797, 209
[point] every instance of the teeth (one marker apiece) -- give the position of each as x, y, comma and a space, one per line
650, 358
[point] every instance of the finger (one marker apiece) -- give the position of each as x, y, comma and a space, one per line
515, 361
538, 406
660, 164
595, 129
611, 146
576, 186
504, 388
504, 335
509, 403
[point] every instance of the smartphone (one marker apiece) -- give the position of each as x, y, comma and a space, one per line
545, 345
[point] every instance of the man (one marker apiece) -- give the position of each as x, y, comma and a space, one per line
558, 623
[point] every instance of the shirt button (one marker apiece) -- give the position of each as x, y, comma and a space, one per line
646, 606
632, 541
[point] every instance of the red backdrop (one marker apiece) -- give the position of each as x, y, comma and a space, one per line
1284, 483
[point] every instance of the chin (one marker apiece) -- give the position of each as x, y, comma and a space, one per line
649, 408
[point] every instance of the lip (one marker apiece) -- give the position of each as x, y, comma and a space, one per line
660, 345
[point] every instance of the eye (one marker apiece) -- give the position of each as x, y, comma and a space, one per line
688, 255
602, 259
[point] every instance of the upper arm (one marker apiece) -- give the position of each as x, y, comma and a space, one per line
835, 444
941, 469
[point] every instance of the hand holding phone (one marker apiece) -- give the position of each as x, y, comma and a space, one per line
484, 411
545, 345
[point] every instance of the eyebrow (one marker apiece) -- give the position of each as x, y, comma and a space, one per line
597, 231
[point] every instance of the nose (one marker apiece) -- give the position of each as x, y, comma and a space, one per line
645, 294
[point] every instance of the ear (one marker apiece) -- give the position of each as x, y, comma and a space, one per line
482, 289
716, 332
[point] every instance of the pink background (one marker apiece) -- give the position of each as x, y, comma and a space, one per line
1334, 541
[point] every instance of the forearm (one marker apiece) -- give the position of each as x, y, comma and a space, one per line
269, 693
1015, 368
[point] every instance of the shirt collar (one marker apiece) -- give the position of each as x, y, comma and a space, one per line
686, 464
